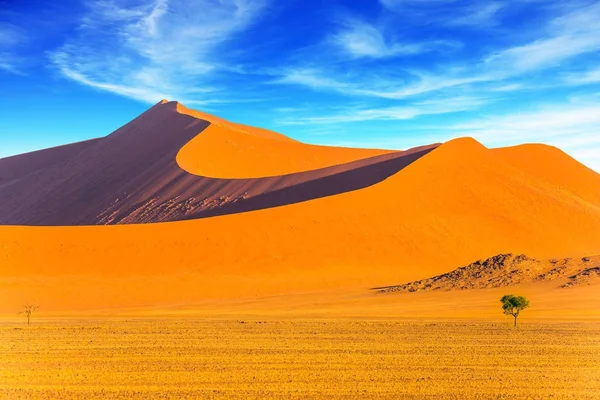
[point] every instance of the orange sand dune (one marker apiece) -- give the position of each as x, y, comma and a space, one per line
458, 203
135, 175
551, 165
229, 150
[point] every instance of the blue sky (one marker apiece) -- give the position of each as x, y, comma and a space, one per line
387, 73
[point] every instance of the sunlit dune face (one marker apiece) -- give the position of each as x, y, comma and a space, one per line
233, 151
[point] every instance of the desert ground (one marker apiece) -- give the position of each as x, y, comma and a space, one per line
186, 256
345, 344
249, 358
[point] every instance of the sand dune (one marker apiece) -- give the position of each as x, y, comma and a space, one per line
552, 165
16, 167
377, 219
233, 151
134, 174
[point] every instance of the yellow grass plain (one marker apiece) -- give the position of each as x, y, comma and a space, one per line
250, 358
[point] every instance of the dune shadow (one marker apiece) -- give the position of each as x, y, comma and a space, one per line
328, 185
132, 177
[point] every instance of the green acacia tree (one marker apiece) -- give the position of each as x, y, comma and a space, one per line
513, 305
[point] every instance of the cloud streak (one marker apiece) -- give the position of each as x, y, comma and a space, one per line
358, 39
564, 37
416, 109
154, 49
11, 39
587, 77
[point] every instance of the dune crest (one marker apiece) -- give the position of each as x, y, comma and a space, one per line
233, 151
144, 172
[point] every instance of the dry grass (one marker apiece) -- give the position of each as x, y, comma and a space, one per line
176, 359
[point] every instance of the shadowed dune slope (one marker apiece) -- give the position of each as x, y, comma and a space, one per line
132, 175
17, 167
457, 203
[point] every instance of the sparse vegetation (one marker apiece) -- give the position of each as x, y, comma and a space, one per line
28, 309
513, 305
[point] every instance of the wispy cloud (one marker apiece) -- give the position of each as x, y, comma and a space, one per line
566, 36
482, 14
590, 76
399, 4
377, 87
478, 15
10, 35
314, 79
573, 33
416, 109
358, 39
154, 49
11, 38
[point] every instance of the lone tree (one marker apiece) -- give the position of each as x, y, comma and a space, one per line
28, 309
512, 305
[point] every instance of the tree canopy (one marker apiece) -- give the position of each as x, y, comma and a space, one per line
513, 305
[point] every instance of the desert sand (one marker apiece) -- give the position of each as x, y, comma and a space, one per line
259, 216
186, 256
176, 358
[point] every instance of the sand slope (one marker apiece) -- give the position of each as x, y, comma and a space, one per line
457, 203
146, 171
230, 150
552, 165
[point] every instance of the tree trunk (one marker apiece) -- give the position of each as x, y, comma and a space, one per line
515, 320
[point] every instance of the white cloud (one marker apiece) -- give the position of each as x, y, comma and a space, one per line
11, 39
574, 33
427, 83
481, 14
148, 50
543, 53
510, 87
416, 109
361, 39
9, 63
392, 89
10, 35
314, 79
478, 15
399, 4
590, 76
569, 35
